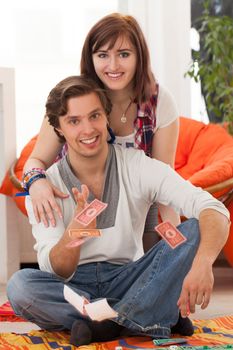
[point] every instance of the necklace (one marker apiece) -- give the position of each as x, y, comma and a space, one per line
123, 116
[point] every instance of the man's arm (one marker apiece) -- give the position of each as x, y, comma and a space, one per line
64, 260
198, 283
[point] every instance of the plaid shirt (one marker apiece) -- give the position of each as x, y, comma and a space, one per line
144, 125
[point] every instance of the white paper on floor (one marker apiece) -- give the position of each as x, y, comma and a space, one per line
98, 310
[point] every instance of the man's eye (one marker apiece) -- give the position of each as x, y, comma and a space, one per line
124, 54
95, 116
73, 121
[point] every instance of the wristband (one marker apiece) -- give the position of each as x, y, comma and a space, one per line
29, 182
33, 171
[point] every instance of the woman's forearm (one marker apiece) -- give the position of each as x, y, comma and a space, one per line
45, 150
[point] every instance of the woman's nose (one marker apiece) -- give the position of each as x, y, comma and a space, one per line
113, 63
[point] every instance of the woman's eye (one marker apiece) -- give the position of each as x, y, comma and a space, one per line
102, 55
124, 54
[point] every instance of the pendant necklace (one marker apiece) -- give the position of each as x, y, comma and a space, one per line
123, 116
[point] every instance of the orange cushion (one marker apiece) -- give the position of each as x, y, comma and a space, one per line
7, 186
189, 131
219, 168
208, 150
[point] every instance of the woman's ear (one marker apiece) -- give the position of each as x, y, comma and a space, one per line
59, 131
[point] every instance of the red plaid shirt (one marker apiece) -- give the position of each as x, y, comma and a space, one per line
145, 124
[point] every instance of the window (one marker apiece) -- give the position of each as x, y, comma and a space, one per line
42, 40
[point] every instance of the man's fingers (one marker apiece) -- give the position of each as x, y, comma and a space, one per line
85, 192
192, 301
200, 298
188, 301
206, 300
75, 193
183, 303
79, 198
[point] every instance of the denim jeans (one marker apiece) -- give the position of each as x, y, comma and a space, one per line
144, 292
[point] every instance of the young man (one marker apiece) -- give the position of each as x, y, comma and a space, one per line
146, 292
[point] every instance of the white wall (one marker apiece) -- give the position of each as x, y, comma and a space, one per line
9, 238
166, 25
42, 40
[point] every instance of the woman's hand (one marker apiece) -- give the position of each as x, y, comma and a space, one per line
43, 194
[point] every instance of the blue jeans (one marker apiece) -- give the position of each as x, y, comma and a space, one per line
144, 292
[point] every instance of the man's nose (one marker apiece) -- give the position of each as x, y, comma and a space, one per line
87, 126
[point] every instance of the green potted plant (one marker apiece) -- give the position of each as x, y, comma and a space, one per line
213, 65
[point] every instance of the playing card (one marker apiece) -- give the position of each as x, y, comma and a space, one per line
75, 233
170, 234
88, 214
169, 341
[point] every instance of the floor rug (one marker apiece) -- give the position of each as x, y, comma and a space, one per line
208, 333
7, 314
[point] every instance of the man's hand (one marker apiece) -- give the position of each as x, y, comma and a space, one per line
63, 259
198, 283
81, 200
197, 288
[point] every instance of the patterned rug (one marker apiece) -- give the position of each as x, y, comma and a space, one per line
218, 331
7, 314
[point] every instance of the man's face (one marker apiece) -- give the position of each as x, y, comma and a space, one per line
84, 126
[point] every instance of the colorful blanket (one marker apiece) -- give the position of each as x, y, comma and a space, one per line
217, 331
7, 314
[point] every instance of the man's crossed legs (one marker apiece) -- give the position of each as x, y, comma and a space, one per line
143, 293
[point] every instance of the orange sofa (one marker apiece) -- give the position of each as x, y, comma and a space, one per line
204, 156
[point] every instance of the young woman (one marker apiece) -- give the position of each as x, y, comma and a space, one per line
144, 115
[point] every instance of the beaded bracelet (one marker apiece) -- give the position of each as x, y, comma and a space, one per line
29, 182
33, 171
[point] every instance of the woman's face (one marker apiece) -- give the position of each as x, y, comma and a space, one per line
116, 67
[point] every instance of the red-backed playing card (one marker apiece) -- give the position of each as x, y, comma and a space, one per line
88, 214
75, 233
170, 234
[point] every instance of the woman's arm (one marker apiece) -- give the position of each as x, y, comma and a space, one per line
46, 148
43, 192
165, 140
164, 149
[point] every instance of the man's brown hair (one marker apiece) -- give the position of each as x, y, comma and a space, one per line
73, 86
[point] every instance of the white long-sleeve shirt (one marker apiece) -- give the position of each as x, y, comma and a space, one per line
141, 181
